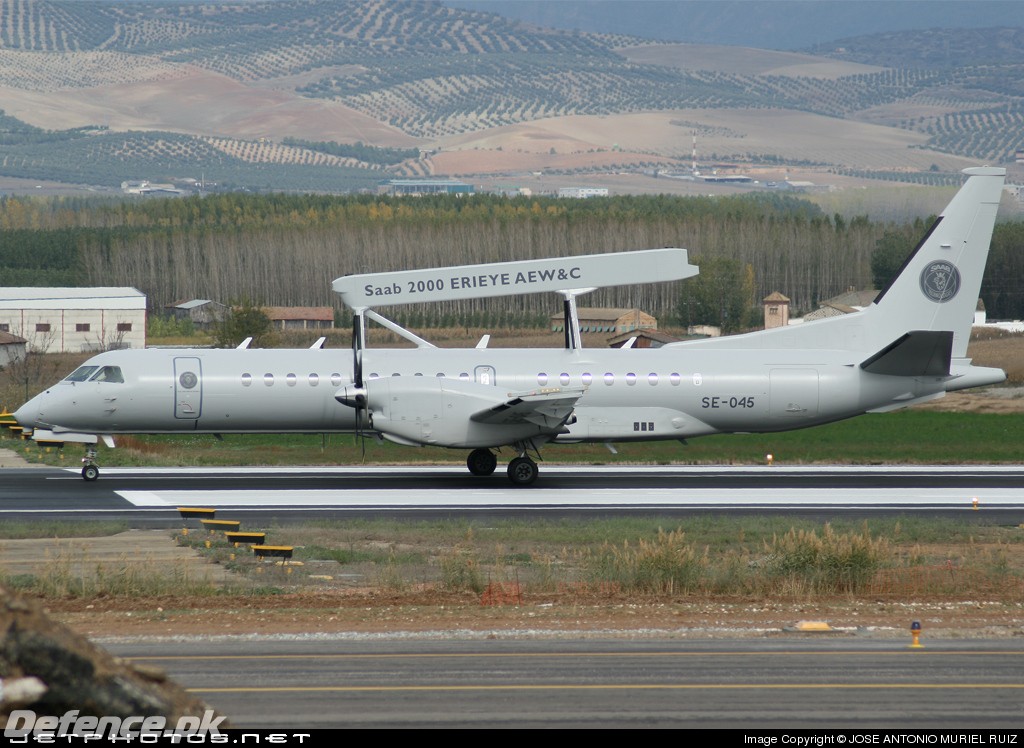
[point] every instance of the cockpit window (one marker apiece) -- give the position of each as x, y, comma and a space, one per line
81, 374
108, 374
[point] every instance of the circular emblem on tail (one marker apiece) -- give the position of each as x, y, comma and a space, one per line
940, 281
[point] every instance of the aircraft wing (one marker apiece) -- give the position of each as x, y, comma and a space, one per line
547, 408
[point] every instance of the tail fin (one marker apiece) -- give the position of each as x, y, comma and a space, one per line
937, 288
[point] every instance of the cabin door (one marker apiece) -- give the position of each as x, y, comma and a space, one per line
188, 387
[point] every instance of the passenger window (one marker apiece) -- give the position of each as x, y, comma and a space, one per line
631, 379
563, 379
314, 380
336, 379
542, 379
674, 379
652, 379
587, 378
268, 379
246, 379
609, 378
290, 379
464, 376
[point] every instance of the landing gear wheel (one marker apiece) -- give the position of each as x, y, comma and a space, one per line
481, 462
90, 473
522, 471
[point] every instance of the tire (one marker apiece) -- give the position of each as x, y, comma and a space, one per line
522, 471
481, 462
90, 473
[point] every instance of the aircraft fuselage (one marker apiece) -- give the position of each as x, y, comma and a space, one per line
628, 395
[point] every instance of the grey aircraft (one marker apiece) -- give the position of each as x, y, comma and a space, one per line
908, 346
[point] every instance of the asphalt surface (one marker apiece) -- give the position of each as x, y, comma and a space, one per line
150, 497
781, 683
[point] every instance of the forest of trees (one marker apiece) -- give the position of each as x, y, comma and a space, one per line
371, 154
286, 249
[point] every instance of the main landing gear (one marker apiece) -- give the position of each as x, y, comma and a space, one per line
522, 471
482, 462
90, 470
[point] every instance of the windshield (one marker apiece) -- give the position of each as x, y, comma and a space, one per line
108, 374
81, 374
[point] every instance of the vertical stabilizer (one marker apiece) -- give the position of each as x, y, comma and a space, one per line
937, 288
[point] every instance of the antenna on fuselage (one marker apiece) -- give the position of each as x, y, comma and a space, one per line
573, 341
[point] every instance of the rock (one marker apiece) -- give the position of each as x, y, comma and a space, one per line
76, 674
16, 693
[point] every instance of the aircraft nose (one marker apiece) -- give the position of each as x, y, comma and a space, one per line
26, 415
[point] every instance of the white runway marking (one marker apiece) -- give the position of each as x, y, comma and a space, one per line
501, 496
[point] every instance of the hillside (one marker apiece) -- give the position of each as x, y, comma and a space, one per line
102, 92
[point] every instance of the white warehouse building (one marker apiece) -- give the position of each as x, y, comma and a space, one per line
74, 320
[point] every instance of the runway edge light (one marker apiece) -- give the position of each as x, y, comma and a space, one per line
915, 633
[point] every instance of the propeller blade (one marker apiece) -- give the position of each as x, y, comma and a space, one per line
356, 395
358, 337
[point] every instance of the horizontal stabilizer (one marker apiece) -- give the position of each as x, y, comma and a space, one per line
919, 353
547, 408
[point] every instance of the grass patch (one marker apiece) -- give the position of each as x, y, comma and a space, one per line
61, 529
351, 555
828, 562
707, 556
73, 573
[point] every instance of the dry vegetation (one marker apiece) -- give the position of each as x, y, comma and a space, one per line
711, 577
264, 152
54, 72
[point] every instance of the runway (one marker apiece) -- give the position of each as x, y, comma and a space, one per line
789, 683
152, 493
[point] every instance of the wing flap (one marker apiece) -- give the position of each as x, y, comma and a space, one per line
548, 408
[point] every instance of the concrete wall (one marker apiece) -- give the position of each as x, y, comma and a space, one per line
77, 330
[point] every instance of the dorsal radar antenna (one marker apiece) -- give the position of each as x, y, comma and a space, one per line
568, 276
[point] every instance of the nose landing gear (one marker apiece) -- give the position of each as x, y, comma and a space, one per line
90, 470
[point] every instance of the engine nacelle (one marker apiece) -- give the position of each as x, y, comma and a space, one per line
438, 411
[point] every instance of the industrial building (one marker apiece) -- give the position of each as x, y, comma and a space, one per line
418, 187
74, 320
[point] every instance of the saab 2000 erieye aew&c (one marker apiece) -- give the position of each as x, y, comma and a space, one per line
907, 347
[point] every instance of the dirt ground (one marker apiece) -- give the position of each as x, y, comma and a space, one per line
438, 615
